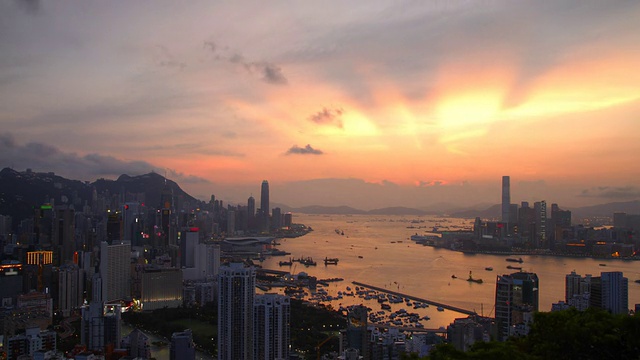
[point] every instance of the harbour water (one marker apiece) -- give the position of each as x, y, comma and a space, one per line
377, 250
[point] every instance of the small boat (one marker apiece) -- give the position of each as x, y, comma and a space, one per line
471, 279
602, 264
360, 257
514, 267
518, 260
638, 281
454, 276
440, 308
489, 268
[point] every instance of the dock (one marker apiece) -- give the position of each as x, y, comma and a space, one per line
413, 298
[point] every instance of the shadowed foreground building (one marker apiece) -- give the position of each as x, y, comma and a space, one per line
235, 311
516, 300
272, 326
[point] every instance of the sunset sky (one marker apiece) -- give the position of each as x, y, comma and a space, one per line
367, 103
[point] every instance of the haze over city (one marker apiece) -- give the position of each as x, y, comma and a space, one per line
367, 104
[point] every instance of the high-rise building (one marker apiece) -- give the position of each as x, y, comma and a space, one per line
63, 236
516, 295
69, 289
540, 210
159, 287
272, 313
264, 205
100, 325
235, 311
251, 212
182, 346
610, 291
506, 199
188, 244
115, 271
577, 290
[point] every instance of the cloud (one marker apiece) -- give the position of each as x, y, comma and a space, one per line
30, 6
611, 192
328, 117
164, 58
44, 157
307, 150
268, 72
430, 183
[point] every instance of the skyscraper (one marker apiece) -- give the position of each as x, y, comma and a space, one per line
610, 291
271, 327
264, 205
235, 311
516, 295
115, 271
577, 290
506, 199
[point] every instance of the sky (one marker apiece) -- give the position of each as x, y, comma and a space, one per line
361, 103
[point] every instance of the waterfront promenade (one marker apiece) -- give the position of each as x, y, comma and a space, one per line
414, 298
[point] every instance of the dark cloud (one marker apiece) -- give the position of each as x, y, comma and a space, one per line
328, 117
430, 183
268, 72
611, 192
30, 6
307, 150
165, 58
44, 157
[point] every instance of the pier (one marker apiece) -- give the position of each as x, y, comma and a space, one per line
413, 298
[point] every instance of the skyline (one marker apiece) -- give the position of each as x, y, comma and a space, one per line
366, 104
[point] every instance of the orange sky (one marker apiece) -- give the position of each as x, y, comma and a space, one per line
224, 95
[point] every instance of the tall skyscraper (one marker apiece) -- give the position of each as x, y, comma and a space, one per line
264, 205
540, 209
506, 199
271, 327
610, 291
251, 213
235, 311
516, 295
115, 271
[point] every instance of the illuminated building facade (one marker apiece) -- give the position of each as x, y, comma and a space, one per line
160, 287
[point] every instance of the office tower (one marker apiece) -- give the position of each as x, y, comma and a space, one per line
188, 244
137, 344
506, 199
271, 327
100, 324
264, 205
64, 241
251, 213
115, 271
516, 296
132, 223
577, 290
182, 346
276, 218
69, 292
610, 291
231, 222
43, 226
236, 291
540, 211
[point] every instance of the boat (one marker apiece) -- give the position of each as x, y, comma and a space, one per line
514, 267
638, 281
602, 264
360, 257
440, 308
518, 260
285, 263
330, 261
471, 279
385, 306
489, 268
454, 276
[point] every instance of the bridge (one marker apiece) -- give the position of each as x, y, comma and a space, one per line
413, 298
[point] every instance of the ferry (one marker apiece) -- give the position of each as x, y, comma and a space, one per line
518, 260
489, 268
